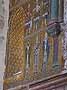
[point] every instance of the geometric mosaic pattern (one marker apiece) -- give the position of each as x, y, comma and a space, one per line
15, 44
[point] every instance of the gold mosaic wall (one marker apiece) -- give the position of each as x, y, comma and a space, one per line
24, 32
15, 50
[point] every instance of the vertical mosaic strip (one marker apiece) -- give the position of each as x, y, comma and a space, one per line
55, 57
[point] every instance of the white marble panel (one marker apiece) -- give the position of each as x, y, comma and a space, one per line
4, 14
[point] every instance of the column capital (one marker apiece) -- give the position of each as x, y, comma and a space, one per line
63, 27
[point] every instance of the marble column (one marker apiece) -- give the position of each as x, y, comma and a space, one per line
65, 35
54, 9
65, 12
60, 10
4, 14
54, 18
64, 27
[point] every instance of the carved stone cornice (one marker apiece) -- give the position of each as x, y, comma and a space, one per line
48, 83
